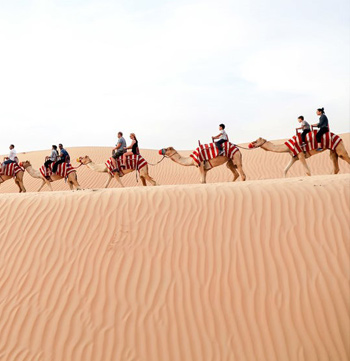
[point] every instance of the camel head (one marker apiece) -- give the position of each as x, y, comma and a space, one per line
258, 143
167, 151
84, 160
25, 164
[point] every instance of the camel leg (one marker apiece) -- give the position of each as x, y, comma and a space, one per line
334, 158
45, 181
108, 181
18, 185
21, 184
143, 180
232, 168
241, 172
291, 162
344, 156
116, 176
145, 176
238, 162
203, 174
301, 157
74, 182
150, 179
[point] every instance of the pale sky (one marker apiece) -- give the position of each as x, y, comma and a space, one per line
76, 72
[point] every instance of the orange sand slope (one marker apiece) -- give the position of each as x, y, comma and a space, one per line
230, 271
258, 164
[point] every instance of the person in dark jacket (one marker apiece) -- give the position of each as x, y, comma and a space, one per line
323, 127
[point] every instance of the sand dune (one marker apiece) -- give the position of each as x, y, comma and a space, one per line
236, 271
258, 164
255, 270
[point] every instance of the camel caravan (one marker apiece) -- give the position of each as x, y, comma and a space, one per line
127, 159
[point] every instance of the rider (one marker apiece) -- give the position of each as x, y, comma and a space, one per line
322, 126
52, 158
64, 158
134, 146
118, 151
222, 136
305, 126
11, 158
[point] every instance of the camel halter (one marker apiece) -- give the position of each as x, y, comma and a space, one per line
79, 161
239, 146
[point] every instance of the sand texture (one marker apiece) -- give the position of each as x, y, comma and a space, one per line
245, 271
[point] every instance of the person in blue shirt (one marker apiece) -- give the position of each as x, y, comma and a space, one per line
323, 127
64, 158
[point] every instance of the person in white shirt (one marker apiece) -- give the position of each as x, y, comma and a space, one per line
11, 158
53, 157
222, 136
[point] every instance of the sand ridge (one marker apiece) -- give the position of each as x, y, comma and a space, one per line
225, 271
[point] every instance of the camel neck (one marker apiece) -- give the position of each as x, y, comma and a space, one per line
185, 161
33, 172
97, 167
277, 148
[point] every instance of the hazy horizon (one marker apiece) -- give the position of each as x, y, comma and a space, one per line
76, 73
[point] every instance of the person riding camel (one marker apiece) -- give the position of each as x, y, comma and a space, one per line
118, 151
52, 158
10, 159
223, 138
64, 158
134, 146
323, 127
305, 126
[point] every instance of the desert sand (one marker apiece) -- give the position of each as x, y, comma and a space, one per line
256, 270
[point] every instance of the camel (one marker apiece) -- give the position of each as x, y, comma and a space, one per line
231, 164
35, 173
339, 152
101, 168
18, 180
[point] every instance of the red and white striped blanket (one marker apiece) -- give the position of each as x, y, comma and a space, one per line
63, 170
132, 162
210, 151
11, 169
329, 141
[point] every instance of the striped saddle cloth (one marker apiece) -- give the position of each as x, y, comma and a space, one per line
132, 162
329, 140
11, 169
210, 151
63, 170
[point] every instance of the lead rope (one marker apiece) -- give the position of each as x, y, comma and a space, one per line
164, 156
137, 167
153, 165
